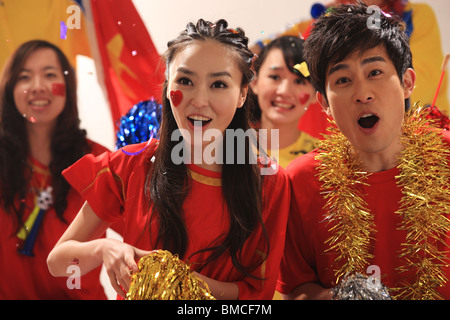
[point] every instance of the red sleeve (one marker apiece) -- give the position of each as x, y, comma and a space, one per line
97, 149
276, 195
297, 265
103, 180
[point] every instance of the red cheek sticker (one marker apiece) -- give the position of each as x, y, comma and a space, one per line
176, 97
58, 89
304, 98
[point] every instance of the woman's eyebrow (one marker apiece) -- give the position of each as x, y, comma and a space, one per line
211, 75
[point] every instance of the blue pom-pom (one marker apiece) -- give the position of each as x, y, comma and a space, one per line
141, 123
317, 10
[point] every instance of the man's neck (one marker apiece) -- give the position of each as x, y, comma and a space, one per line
380, 161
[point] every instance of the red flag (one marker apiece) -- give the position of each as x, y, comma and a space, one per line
131, 66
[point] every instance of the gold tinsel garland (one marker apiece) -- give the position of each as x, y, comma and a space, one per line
163, 276
354, 228
424, 178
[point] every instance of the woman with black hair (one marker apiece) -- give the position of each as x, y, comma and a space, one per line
283, 94
223, 217
39, 137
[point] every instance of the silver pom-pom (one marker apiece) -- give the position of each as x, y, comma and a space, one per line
360, 287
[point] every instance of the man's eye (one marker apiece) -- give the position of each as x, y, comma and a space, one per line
342, 80
375, 72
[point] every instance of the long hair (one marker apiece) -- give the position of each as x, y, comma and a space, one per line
68, 141
167, 184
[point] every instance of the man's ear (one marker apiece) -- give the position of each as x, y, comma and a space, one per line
323, 102
409, 79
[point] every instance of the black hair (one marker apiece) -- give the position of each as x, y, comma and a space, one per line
345, 29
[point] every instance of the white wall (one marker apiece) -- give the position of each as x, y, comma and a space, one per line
165, 19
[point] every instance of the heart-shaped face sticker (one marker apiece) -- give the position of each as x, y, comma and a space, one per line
176, 97
304, 98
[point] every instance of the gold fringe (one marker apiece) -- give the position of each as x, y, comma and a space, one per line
163, 276
424, 178
354, 226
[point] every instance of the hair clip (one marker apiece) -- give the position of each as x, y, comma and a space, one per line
328, 12
233, 30
302, 68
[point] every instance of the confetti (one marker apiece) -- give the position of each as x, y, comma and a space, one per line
62, 30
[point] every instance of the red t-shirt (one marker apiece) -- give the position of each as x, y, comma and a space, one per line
27, 277
305, 259
113, 184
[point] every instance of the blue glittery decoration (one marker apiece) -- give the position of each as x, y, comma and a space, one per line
140, 124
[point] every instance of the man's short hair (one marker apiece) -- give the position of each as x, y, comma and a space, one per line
344, 30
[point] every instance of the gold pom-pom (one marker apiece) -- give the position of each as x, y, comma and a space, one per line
163, 276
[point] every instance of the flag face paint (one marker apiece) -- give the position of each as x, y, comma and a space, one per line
176, 97
59, 89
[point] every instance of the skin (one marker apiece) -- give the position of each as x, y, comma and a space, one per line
35, 99
210, 81
283, 97
361, 84
368, 84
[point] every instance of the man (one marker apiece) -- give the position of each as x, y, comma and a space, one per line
373, 194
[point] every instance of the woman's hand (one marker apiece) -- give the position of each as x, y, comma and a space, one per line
120, 262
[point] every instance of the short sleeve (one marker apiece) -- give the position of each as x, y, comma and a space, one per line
103, 180
297, 265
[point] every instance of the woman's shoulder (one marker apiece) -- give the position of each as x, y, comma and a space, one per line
96, 148
119, 161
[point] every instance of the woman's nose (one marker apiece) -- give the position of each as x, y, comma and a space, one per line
200, 98
37, 84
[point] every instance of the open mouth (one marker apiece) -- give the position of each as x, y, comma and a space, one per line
282, 105
199, 121
368, 120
